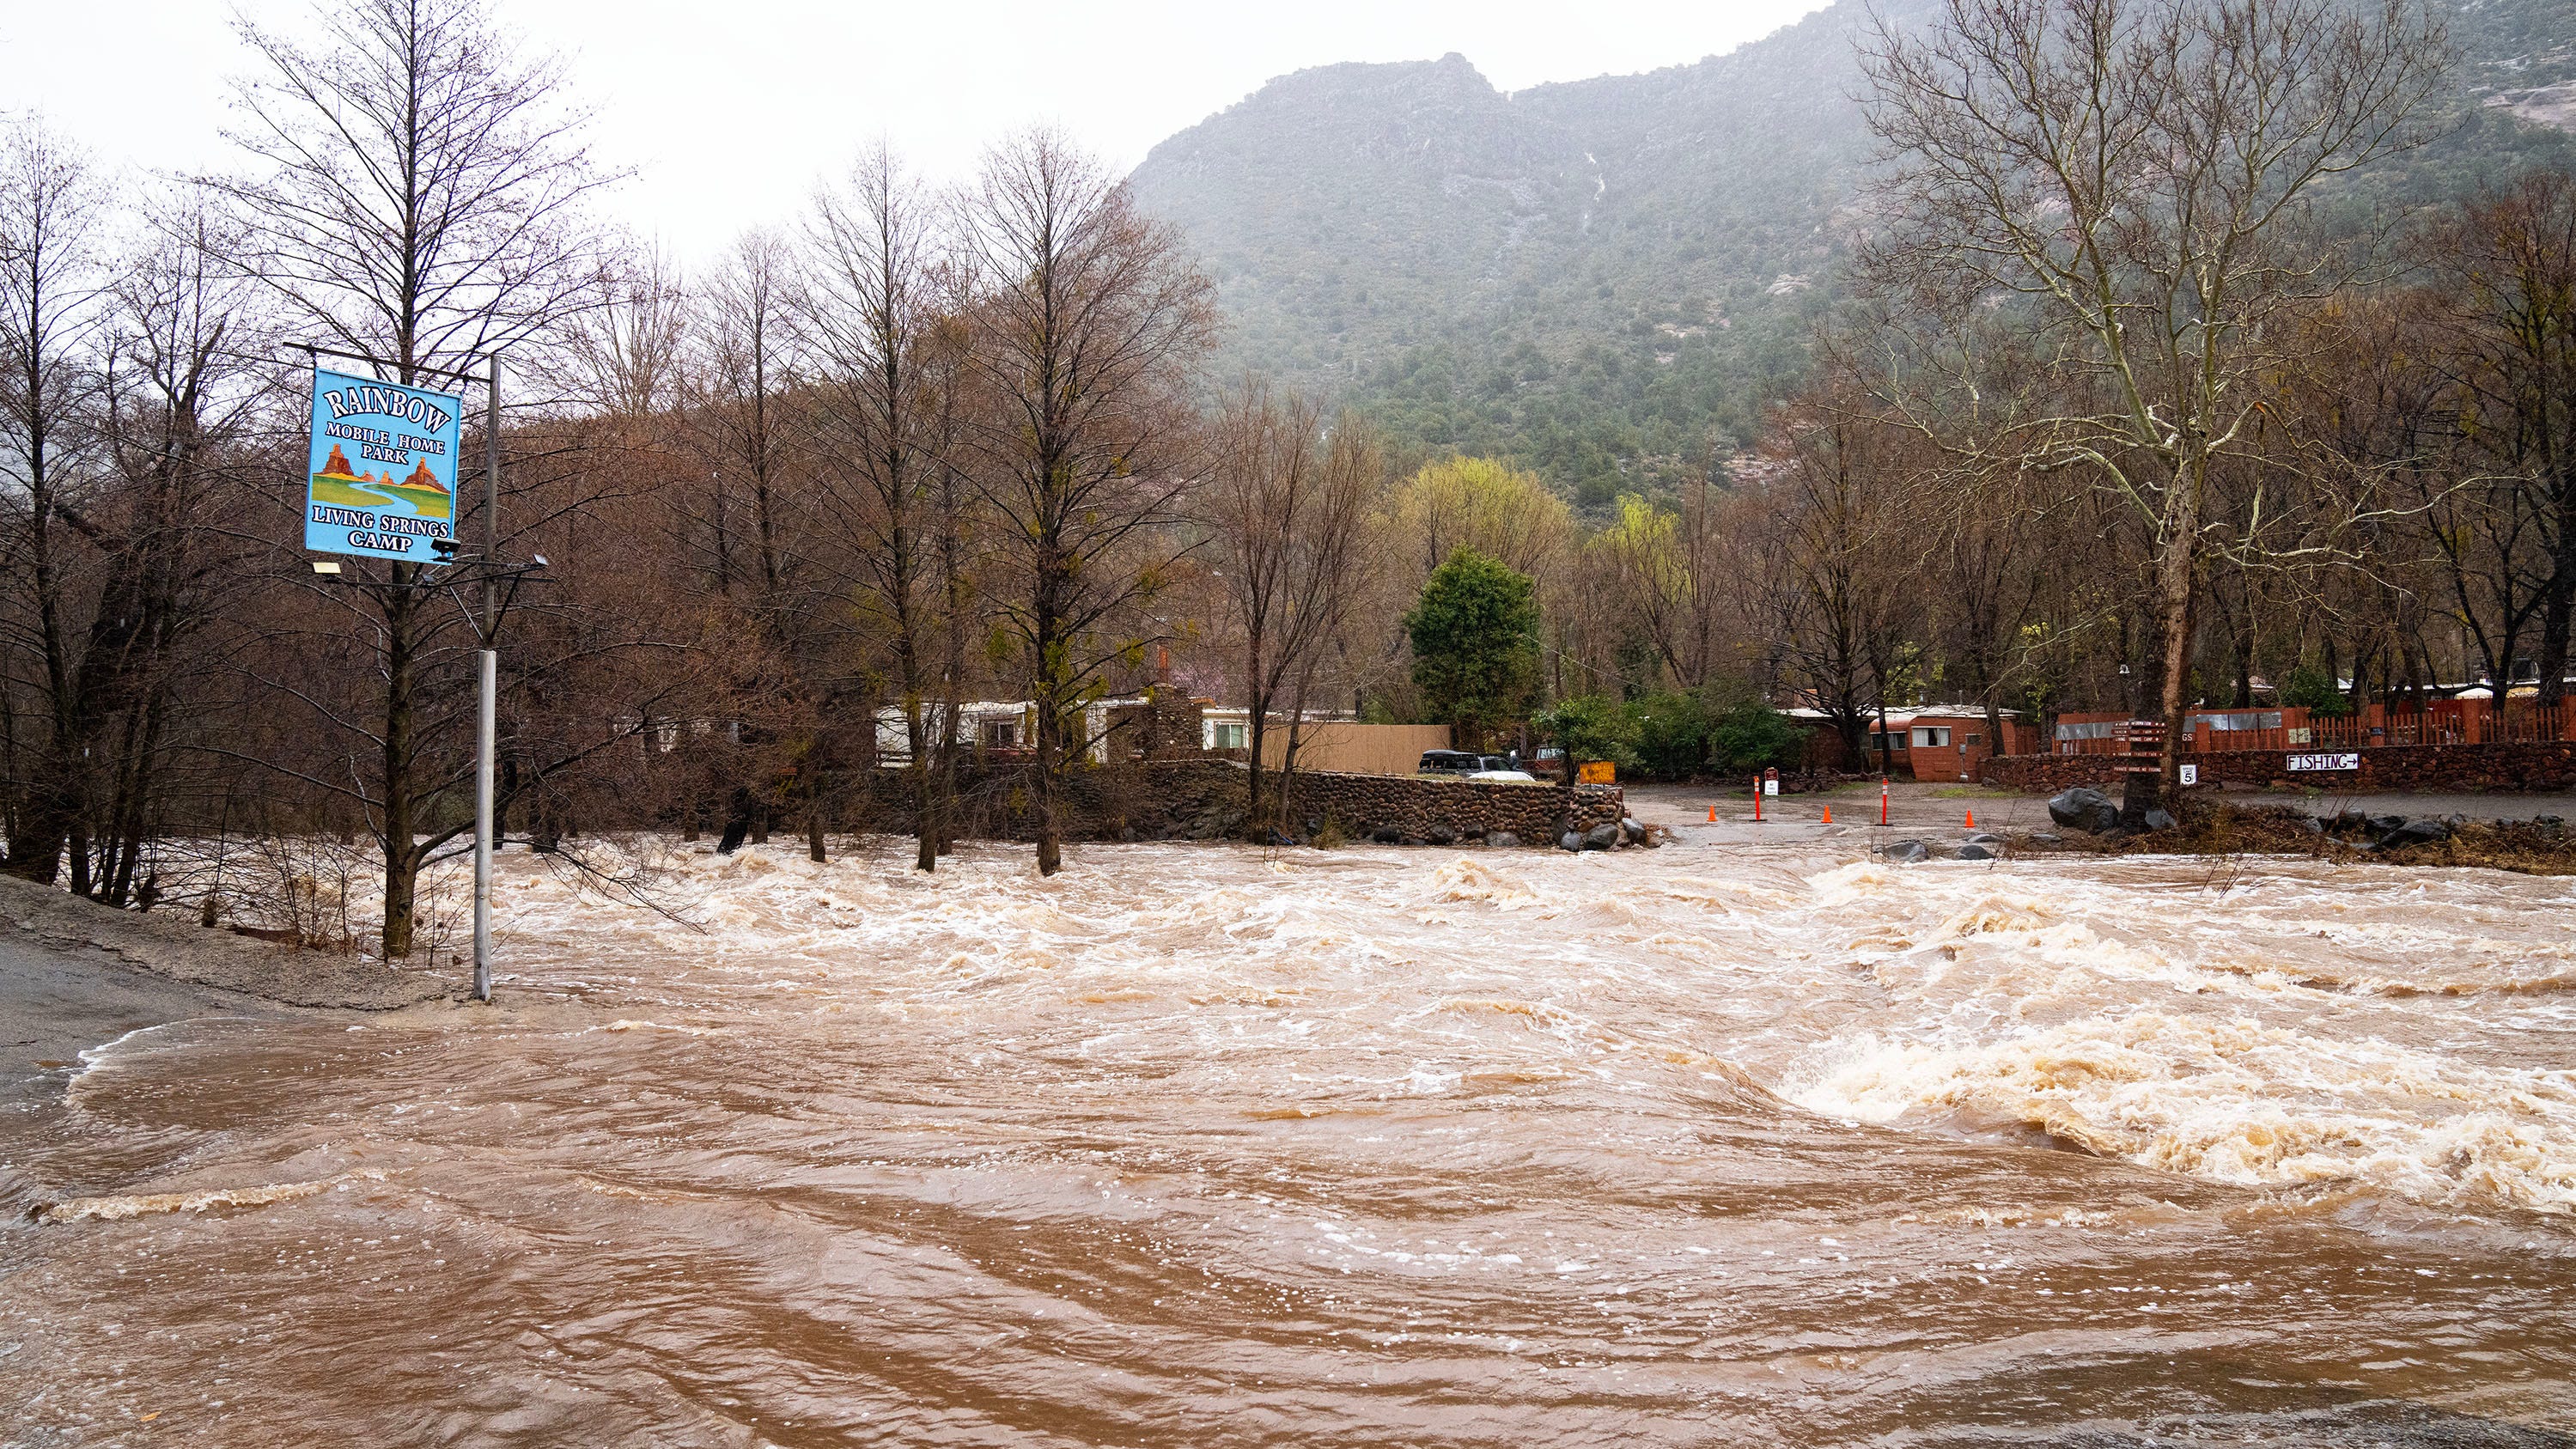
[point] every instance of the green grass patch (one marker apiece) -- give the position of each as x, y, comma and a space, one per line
332, 490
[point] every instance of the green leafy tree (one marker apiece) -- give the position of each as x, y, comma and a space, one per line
1750, 735
1590, 727
2313, 690
1587, 727
1671, 734
1474, 631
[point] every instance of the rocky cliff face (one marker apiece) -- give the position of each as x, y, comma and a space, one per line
1350, 206
1376, 220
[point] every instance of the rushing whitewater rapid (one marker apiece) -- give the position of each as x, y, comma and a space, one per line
1198, 1145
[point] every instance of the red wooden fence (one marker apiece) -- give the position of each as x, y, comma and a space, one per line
2477, 724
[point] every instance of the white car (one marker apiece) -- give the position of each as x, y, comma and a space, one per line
1507, 777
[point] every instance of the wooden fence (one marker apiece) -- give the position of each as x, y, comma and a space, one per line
2517, 723
1356, 749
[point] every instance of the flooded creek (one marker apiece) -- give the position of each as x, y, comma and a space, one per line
1201, 1145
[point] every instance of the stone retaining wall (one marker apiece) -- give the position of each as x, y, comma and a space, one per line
1416, 810
2543, 766
1204, 799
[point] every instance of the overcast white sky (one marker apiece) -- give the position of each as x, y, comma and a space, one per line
730, 110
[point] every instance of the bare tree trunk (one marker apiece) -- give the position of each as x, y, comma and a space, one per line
1048, 633
1257, 701
402, 864
2177, 586
952, 671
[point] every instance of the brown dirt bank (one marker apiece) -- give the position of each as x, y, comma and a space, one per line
176, 947
2219, 827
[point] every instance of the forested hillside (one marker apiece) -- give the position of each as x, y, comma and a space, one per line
1607, 279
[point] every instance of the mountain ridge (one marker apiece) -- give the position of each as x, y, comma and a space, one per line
1610, 279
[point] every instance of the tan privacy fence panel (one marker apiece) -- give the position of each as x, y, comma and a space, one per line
1357, 749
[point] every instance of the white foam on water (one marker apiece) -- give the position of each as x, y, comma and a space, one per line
2259, 1023
121, 1206
2238, 1102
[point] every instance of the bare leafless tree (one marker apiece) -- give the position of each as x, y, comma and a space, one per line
180, 411
733, 401
870, 311
1088, 321
782, 591
416, 194
1287, 509
1831, 577
623, 357
2127, 178
52, 290
2501, 309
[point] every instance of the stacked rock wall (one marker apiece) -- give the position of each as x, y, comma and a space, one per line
1413, 809
1204, 799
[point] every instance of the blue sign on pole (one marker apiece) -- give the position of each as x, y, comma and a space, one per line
383, 475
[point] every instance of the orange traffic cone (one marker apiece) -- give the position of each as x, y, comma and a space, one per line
1829, 815
1712, 815
1972, 820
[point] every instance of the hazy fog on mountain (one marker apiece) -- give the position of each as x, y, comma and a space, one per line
1607, 278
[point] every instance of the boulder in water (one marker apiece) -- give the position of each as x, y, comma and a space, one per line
1444, 834
1974, 851
1633, 828
2161, 820
1601, 837
2414, 832
1908, 852
2084, 808
1502, 840
1569, 841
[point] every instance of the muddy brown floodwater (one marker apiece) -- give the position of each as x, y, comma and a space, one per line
1204, 1146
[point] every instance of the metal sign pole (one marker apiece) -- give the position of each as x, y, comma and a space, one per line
351, 513
490, 660
483, 830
